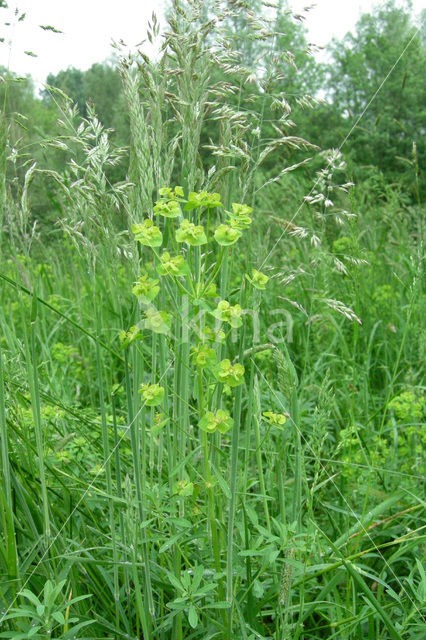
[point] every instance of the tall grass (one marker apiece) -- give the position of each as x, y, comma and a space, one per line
210, 444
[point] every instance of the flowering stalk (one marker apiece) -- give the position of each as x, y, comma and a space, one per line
181, 310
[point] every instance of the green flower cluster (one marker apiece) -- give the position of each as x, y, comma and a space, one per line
167, 208
226, 235
275, 419
192, 234
148, 234
146, 289
258, 279
158, 321
203, 199
240, 216
158, 423
201, 288
220, 421
407, 406
152, 394
168, 204
172, 266
230, 314
210, 336
183, 488
203, 356
226, 373
127, 337
167, 193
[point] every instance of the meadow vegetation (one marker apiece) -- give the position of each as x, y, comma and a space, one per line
212, 339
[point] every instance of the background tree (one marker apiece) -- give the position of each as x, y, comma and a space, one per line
387, 55
100, 84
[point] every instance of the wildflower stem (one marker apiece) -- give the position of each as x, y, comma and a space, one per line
256, 422
233, 491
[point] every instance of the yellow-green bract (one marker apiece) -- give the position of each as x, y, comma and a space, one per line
158, 321
203, 199
146, 289
192, 234
232, 375
167, 208
221, 421
226, 235
258, 279
152, 394
148, 234
126, 337
230, 314
203, 356
240, 216
172, 265
275, 419
184, 488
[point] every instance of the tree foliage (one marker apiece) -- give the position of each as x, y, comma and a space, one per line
373, 84
100, 84
376, 78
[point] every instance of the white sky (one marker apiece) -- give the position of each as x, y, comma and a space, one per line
90, 25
